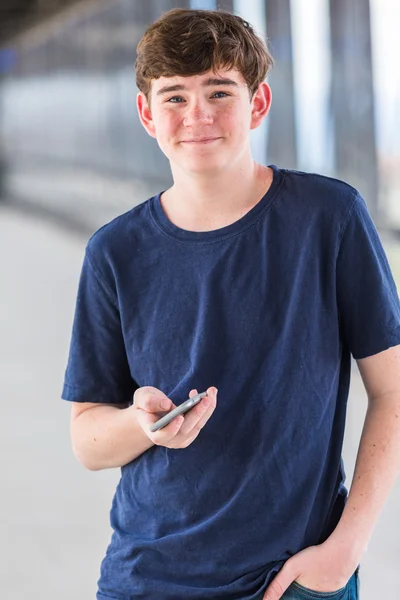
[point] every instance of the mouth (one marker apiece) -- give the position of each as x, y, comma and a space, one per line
201, 140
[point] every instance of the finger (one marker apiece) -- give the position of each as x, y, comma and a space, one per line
167, 433
198, 426
153, 419
163, 436
279, 585
198, 416
160, 437
203, 420
173, 428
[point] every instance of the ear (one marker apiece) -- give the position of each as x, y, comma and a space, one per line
261, 103
145, 114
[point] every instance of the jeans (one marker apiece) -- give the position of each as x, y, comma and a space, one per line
350, 592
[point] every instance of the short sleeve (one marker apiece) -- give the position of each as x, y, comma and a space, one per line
368, 302
97, 369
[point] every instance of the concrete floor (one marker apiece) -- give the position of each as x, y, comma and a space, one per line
53, 513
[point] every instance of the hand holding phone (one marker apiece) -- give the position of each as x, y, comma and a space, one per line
179, 410
180, 432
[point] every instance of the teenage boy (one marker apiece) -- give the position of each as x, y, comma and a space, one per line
256, 281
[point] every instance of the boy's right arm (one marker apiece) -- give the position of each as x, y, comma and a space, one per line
105, 436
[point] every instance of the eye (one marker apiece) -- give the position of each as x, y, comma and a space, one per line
179, 99
175, 99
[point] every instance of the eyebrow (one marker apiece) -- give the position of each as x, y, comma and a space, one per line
206, 83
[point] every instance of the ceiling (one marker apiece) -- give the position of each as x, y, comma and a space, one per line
18, 15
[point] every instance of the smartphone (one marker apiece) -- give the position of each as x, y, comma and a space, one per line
179, 410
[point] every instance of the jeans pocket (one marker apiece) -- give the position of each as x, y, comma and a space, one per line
299, 592
309, 594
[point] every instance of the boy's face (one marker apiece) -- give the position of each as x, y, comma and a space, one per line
202, 122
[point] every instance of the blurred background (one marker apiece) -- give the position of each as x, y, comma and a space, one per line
73, 155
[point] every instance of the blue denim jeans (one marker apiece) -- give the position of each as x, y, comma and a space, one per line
351, 591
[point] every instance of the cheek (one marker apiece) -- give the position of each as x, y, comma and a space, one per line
169, 120
236, 121
166, 125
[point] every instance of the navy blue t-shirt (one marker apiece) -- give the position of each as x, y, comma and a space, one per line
269, 310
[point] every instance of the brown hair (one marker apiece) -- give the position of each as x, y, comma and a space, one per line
190, 42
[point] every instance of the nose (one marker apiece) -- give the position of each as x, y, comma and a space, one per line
197, 113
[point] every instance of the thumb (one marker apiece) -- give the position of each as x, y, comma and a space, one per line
152, 400
279, 585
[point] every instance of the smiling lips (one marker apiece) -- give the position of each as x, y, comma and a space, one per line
200, 141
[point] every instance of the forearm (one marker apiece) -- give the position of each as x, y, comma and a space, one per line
377, 467
104, 437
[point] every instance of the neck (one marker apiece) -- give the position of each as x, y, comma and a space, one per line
203, 203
